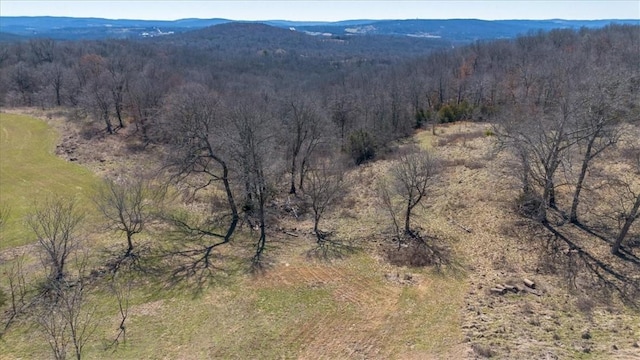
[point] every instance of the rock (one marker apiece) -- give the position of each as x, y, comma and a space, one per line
614, 347
392, 276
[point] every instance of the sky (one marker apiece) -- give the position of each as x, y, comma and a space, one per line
327, 10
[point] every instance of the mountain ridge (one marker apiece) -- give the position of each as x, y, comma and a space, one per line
465, 30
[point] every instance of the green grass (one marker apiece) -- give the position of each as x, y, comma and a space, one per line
30, 171
326, 307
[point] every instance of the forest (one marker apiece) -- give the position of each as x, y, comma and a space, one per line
221, 153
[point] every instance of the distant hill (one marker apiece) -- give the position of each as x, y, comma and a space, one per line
97, 28
463, 30
257, 39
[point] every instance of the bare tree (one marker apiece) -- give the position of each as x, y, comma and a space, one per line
119, 72
15, 275
55, 77
540, 143
67, 317
301, 134
42, 50
96, 96
386, 198
24, 83
598, 132
54, 327
144, 98
121, 288
629, 217
413, 174
195, 129
628, 196
252, 145
325, 186
125, 206
79, 316
55, 223
343, 110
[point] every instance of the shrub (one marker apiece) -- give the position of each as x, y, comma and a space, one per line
362, 147
422, 117
454, 112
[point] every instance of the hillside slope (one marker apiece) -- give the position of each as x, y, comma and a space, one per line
359, 305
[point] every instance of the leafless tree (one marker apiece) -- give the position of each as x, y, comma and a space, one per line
24, 83
96, 96
54, 327
413, 175
386, 198
252, 144
344, 111
597, 131
629, 199
42, 50
325, 186
540, 134
15, 276
54, 75
302, 133
55, 223
120, 285
118, 70
124, 204
196, 130
66, 317
144, 98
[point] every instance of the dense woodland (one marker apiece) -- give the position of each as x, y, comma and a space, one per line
241, 115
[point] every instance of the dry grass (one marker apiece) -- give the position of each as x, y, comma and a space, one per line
348, 307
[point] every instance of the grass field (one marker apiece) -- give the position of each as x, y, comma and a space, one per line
30, 171
355, 307
298, 308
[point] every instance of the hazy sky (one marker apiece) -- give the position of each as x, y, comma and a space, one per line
324, 10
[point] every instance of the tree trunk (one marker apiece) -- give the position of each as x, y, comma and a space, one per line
58, 97
292, 190
230, 200
105, 115
316, 221
573, 216
263, 235
407, 219
303, 169
549, 194
129, 243
633, 215
119, 115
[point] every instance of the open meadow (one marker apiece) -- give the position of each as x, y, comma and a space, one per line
356, 305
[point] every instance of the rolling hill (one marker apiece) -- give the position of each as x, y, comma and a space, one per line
462, 30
